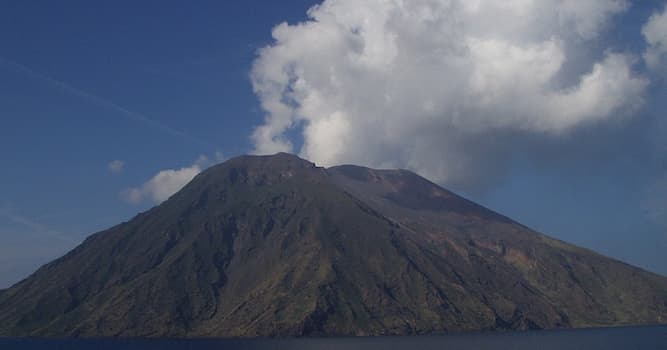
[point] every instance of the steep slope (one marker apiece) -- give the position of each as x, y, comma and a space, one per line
588, 289
274, 245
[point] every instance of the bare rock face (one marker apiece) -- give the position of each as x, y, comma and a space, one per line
275, 246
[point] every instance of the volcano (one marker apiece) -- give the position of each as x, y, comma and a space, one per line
277, 246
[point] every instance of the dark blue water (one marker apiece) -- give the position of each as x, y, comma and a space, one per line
639, 338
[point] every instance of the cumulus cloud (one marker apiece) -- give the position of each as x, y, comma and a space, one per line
166, 182
116, 166
655, 34
441, 87
589, 17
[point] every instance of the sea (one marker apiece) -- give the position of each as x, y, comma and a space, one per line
623, 338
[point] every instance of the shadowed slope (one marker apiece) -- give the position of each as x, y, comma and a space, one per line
588, 289
274, 245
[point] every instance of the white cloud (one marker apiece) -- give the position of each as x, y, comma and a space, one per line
589, 17
169, 181
218, 157
162, 185
165, 183
116, 166
655, 34
439, 86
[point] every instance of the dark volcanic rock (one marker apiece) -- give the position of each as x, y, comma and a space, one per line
273, 245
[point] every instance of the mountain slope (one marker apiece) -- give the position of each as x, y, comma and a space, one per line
273, 245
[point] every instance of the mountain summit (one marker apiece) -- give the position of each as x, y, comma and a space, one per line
276, 246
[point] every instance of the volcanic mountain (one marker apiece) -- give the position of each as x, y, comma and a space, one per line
276, 246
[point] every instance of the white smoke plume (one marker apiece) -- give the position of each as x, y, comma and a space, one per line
440, 86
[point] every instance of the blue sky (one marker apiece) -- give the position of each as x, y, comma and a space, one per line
158, 87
